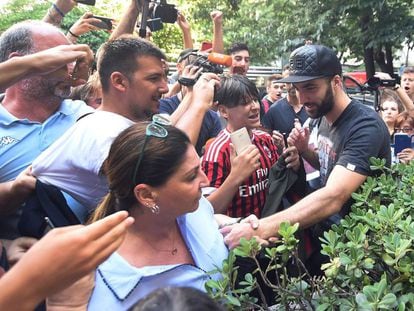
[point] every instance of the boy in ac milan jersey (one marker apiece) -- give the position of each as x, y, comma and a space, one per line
238, 184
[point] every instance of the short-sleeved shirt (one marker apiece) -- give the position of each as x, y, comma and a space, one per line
251, 194
210, 126
119, 285
73, 163
22, 140
357, 135
281, 116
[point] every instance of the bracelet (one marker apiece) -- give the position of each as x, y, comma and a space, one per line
52, 18
58, 10
72, 34
231, 223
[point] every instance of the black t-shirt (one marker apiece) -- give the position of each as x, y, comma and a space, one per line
210, 127
281, 116
356, 136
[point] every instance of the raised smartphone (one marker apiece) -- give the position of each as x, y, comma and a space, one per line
87, 2
104, 23
240, 139
401, 142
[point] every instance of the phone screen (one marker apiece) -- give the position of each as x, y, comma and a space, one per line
87, 2
104, 23
401, 141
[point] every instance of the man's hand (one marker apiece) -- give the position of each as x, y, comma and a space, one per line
83, 25
203, 90
182, 21
406, 155
65, 5
279, 140
53, 62
18, 248
74, 297
244, 164
299, 137
217, 17
232, 234
292, 158
24, 183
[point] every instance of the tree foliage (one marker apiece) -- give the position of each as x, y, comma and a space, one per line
273, 28
369, 30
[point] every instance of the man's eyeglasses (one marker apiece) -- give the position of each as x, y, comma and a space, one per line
155, 128
404, 130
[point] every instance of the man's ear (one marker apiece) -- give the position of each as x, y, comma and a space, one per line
223, 111
119, 81
145, 195
14, 54
337, 81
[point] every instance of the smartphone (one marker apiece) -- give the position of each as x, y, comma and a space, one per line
87, 2
401, 142
240, 140
206, 46
104, 23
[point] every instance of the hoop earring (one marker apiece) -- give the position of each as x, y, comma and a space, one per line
155, 209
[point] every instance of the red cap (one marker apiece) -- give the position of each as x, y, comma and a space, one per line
220, 59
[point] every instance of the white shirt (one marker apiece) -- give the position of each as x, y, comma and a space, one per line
73, 162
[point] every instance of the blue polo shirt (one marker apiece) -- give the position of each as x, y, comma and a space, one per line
22, 140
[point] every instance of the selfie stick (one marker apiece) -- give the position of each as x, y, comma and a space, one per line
144, 17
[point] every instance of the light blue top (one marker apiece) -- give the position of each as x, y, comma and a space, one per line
22, 140
118, 285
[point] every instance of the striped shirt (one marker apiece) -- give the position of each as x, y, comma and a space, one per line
251, 195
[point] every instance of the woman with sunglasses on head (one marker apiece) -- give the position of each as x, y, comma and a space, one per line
404, 123
154, 172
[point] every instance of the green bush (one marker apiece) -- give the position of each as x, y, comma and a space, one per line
371, 256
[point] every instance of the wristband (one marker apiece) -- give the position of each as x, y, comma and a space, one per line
58, 10
231, 223
186, 81
72, 34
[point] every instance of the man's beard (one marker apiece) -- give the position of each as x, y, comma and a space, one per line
324, 107
44, 89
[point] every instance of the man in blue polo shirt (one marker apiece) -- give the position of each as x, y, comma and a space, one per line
33, 114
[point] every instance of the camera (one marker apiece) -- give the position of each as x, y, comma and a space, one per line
208, 66
154, 14
167, 13
375, 82
212, 62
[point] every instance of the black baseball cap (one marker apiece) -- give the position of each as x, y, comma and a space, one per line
311, 62
185, 53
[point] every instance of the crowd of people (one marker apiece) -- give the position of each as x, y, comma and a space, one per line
140, 171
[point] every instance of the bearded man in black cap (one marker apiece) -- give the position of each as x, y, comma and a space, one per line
349, 133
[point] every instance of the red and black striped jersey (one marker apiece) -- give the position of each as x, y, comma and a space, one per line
251, 195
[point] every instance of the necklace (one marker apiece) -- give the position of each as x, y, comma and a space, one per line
173, 251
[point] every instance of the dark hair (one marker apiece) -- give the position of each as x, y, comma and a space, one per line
19, 38
162, 158
177, 299
120, 55
236, 47
236, 90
